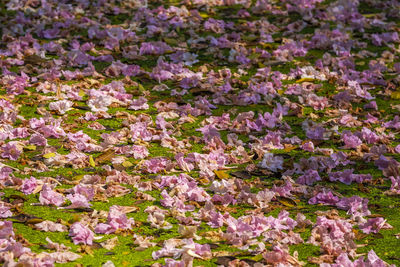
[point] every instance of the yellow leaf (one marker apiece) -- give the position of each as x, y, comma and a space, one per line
91, 161
302, 80
204, 15
105, 156
49, 155
221, 174
30, 147
171, 41
77, 177
58, 93
287, 202
289, 148
258, 257
395, 95
34, 221
127, 164
81, 93
280, 91
267, 45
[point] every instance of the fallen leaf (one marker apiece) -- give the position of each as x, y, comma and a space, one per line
110, 243
288, 202
395, 95
105, 156
359, 235
30, 147
241, 174
91, 161
127, 164
302, 80
49, 155
221, 174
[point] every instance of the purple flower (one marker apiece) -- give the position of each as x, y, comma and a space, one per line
347, 177
308, 146
116, 220
139, 104
154, 48
316, 133
183, 163
155, 165
86, 191
333, 236
38, 139
61, 106
371, 105
395, 187
373, 225
393, 124
49, 197
78, 201
50, 33
4, 211
369, 136
317, 102
209, 131
81, 234
309, 177
11, 151
6, 229
386, 37
139, 130
29, 185
355, 205
343, 260
350, 140
271, 162
325, 198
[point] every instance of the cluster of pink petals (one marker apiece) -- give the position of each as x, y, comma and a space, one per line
81, 234
116, 219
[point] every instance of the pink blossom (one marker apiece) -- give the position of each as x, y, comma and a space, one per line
308, 146
333, 236
355, 205
29, 185
324, 197
350, 140
373, 225
155, 165
4, 211
78, 201
309, 177
38, 139
371, 260
116, 219
61, 106
81, 234
49, 197
86, 190
6, 229
49, 226
271, 162
11, 151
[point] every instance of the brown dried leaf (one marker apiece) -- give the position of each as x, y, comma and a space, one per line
105, 156
110, 243
288, 202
